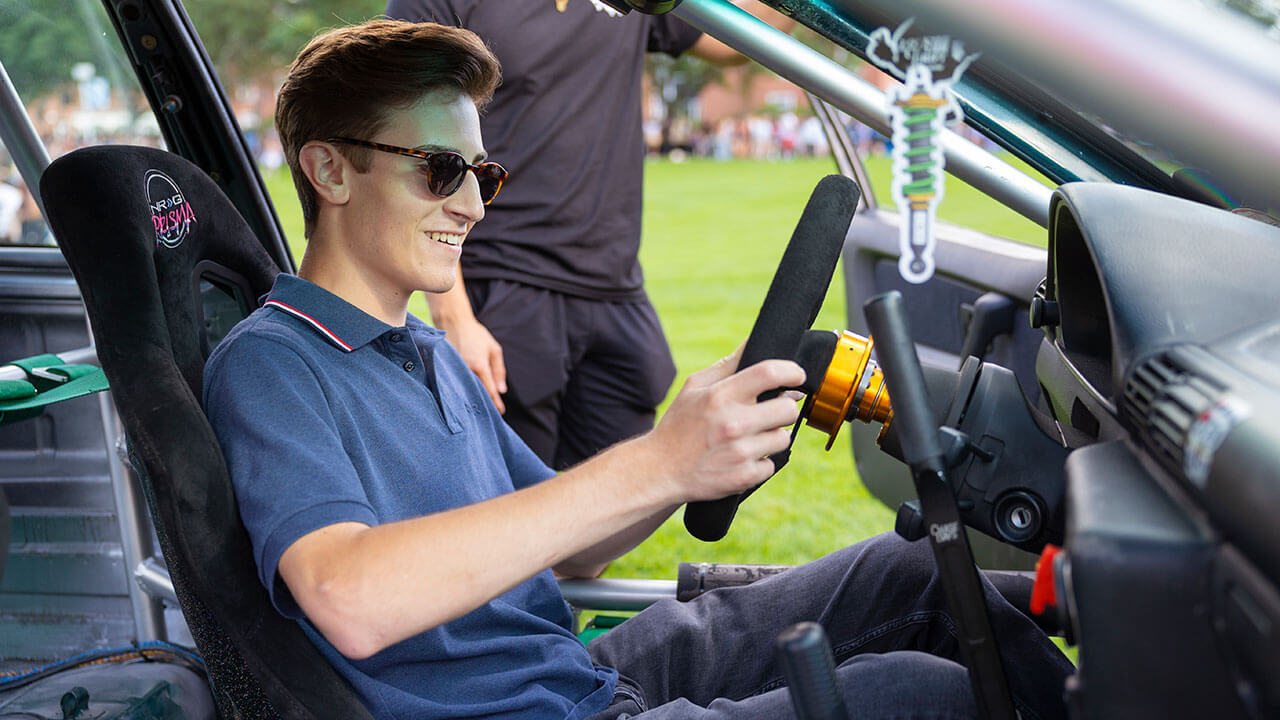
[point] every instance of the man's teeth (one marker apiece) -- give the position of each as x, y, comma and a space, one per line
446, 238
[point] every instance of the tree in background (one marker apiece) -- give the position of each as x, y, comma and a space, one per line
676, 82
43, 40
252, 40
248, 40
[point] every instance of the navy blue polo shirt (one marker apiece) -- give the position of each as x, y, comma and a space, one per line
326, 415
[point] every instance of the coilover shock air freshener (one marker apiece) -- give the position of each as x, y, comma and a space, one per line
919, 109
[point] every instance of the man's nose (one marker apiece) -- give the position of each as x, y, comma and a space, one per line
466, 201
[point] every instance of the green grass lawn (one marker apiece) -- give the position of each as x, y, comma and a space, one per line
713, 234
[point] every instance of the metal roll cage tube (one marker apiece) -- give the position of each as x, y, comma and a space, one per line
20, 137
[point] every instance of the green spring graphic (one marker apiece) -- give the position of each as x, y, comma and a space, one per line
919, 152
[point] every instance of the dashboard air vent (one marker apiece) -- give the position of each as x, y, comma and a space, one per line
1164, 395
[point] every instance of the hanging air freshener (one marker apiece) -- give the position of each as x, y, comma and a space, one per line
928, 66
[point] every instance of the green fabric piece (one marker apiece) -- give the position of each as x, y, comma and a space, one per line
16, 390
53, 365
598, 626
35, 361
22, 399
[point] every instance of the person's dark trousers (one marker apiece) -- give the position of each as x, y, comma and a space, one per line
582, 374
882, 607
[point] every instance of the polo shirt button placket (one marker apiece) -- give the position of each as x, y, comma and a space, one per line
396, 337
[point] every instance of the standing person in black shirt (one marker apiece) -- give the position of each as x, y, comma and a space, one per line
549, 309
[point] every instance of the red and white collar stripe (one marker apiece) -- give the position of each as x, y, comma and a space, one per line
326, 332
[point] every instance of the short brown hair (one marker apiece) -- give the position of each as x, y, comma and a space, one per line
346, 82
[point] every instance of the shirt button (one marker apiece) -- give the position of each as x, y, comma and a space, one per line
409, 366
396, 337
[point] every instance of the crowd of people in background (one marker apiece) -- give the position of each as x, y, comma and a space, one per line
20, 220
777, 136
63, 126
767, 135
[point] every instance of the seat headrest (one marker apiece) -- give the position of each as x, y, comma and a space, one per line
129, 218
117, 188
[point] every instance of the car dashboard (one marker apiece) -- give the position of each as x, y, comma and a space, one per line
1162, 350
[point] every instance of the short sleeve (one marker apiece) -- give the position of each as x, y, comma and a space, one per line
288, 466
671, 35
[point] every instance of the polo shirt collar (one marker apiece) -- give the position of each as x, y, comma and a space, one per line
342, 324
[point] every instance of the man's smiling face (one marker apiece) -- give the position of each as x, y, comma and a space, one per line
405, 236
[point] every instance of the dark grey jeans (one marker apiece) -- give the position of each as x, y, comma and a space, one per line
882, 607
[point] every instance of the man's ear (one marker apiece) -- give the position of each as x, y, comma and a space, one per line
328, 170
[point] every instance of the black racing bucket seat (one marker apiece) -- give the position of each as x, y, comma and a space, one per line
166, 265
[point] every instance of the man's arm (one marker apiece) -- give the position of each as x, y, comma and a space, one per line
593, 561
366, 588
717, 53
451, 312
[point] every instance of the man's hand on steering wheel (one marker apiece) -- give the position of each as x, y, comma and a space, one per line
715, 438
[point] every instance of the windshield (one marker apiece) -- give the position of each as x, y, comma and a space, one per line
1128, 91
1259, 19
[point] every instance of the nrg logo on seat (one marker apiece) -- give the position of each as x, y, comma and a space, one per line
171, 214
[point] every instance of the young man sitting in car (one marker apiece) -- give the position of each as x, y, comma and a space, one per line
413, 536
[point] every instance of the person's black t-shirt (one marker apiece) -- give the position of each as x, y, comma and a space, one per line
566, 124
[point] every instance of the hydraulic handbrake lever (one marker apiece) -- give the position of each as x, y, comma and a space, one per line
805, 656
922, 451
